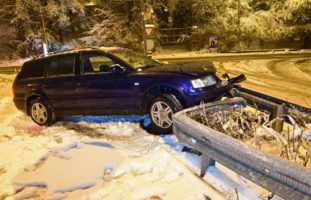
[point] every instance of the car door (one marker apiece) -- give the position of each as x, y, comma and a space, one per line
101, 91
60, 85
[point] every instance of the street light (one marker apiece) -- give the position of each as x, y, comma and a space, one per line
45, 43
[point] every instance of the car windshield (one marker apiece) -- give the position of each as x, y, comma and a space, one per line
136, 60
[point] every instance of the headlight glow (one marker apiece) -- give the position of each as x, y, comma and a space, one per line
197, 83
203, 82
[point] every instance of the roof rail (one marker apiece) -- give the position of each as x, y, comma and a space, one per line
63, 51
52, 53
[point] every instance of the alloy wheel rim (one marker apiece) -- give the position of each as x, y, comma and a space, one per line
39, 113
161, 114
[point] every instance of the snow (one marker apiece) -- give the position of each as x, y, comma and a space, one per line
76, 187
32, 184
103, 158
159, 171
287, 79
80, 170
220, 177
28, 193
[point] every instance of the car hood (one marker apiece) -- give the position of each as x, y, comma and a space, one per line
195, 69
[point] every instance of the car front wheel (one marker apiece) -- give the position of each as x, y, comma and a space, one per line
41, 113
161, 111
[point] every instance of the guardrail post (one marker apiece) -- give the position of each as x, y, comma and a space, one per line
206, 161
278, 111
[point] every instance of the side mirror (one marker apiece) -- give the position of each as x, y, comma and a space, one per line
117, 69
225, 75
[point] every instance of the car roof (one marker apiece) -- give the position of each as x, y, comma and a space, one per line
72, 51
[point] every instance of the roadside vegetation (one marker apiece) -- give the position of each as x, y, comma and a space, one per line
255, 128
239, 24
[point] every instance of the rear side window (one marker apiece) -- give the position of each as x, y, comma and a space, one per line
33, 69
62, 65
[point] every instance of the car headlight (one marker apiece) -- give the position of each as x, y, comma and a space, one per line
203, 82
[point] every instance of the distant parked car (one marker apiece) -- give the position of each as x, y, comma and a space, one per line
114, 81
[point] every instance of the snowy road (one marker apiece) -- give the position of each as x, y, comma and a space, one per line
287, 79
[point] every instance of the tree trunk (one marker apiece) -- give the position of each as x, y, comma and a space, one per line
306, 42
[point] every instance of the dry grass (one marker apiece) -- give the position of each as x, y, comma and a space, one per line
255, 128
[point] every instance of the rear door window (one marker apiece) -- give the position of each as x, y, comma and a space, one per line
62, 65
33, 69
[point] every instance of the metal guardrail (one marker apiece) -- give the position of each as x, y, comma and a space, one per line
218, 57
230, 57
277, 175
9, 70
277, 107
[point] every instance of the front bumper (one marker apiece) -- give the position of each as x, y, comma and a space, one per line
215, 92
209, 94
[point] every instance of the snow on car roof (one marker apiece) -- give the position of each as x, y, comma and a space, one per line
69, 51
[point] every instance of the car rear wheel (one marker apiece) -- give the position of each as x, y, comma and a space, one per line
41, 113
161, 111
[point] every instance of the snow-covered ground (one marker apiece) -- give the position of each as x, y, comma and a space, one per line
103, 158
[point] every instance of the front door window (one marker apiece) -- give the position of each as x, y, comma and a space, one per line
92, 64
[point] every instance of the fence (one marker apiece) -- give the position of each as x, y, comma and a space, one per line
169, 36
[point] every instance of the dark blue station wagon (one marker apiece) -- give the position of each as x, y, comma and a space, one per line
114, 81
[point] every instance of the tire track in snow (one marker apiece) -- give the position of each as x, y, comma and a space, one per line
290, 70
304, 65
287, 79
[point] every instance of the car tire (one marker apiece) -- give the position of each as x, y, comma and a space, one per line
41, 112
160, 112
